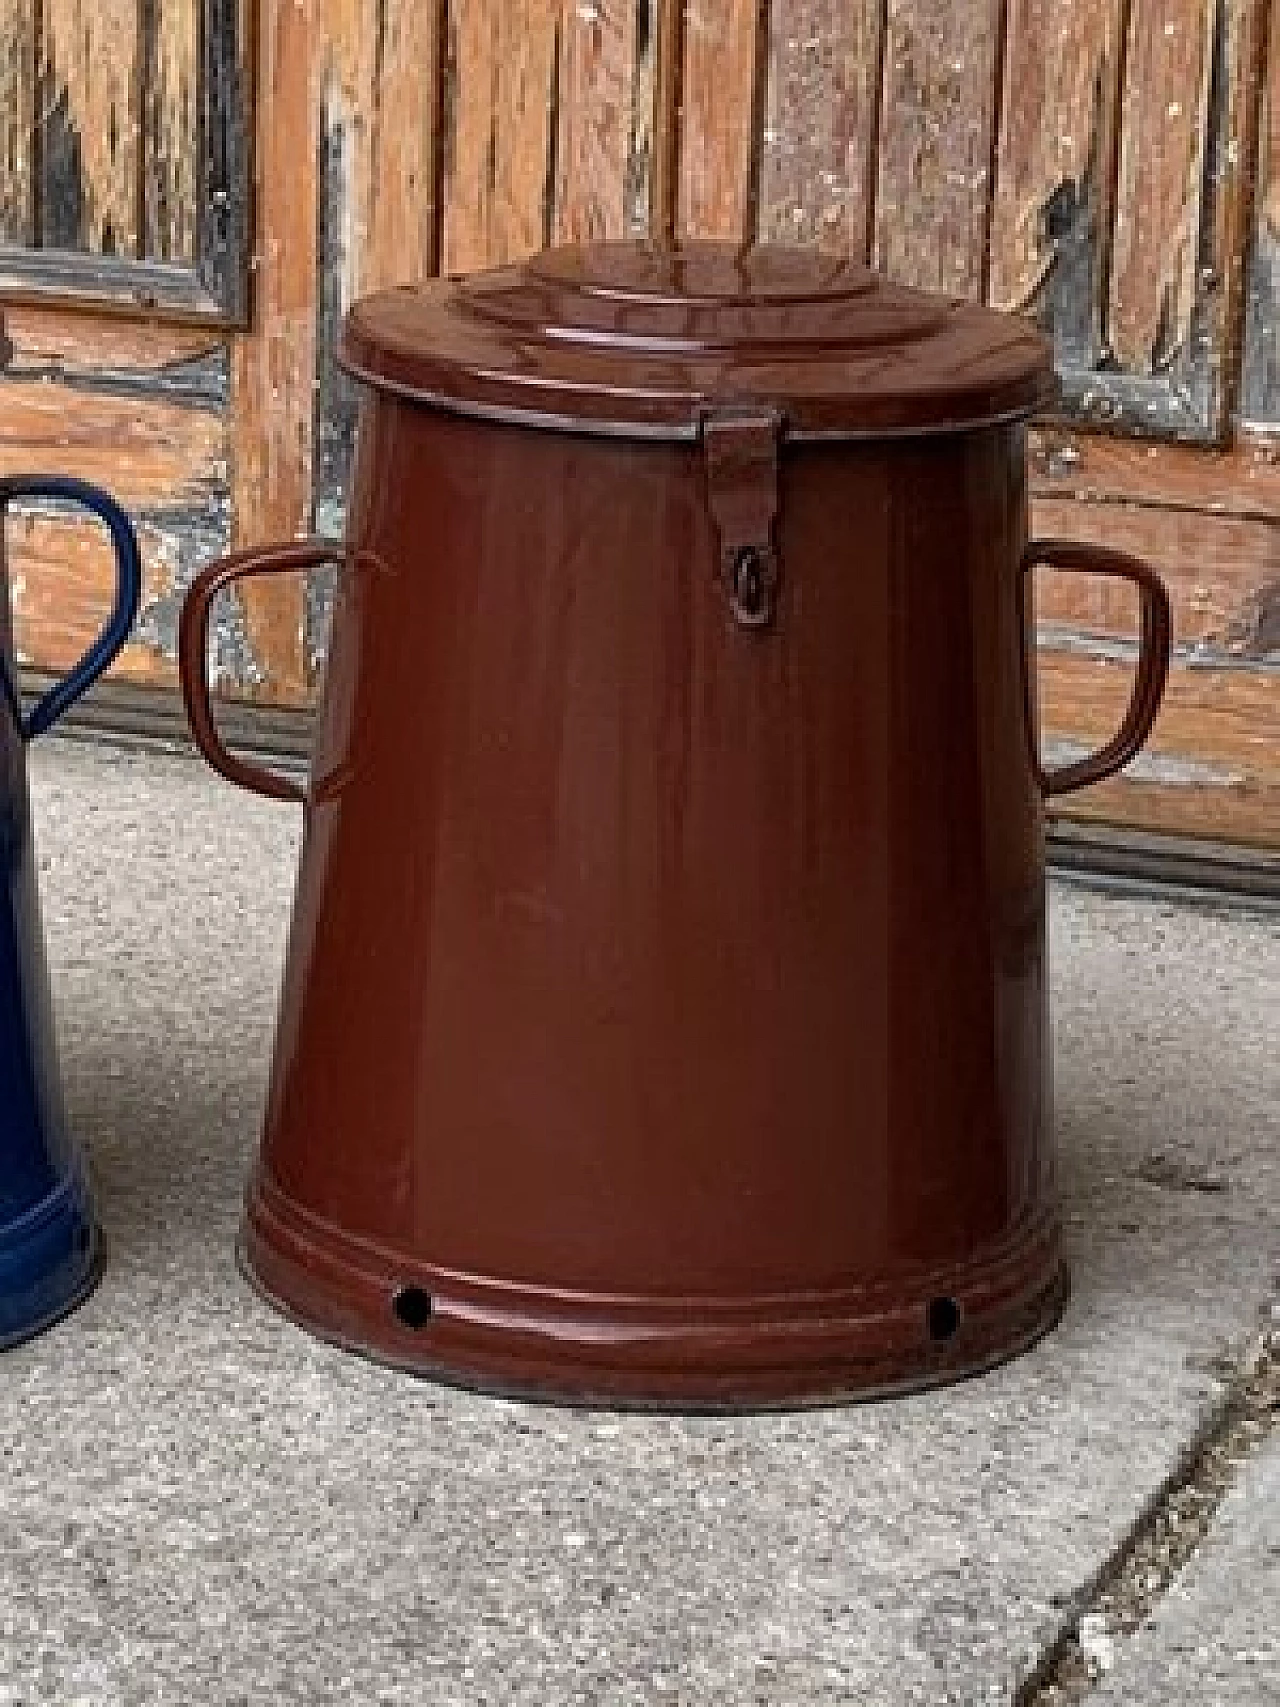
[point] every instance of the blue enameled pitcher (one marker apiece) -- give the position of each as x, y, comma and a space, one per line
50, 1247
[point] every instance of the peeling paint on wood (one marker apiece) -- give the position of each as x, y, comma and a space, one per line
225, 154
377, 204
1254, 631
62, 278
817, 169
17, 115
158, 442
145, 453
200, 378
170, 77
378, 214
1052, 209
336, 396
379, 110
82, 344
62, 585
1161, 179
641, 181
273, 372
90, 126
1122, 185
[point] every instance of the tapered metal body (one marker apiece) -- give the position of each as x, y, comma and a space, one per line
50, 1247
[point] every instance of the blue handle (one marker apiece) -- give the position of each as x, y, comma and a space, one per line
128, 589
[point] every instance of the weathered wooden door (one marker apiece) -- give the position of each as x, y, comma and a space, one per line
1104, 165
125, 180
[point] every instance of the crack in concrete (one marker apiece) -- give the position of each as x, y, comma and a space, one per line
1124, 1592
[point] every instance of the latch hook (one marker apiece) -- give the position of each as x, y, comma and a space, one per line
741, 450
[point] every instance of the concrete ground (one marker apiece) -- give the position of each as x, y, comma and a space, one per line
198, 1503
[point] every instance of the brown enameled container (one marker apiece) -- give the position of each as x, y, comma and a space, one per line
664, 1017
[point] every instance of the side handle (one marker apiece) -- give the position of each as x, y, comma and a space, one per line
46, 712
193, 654
1153, 657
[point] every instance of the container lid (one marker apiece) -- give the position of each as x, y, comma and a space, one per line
647, 339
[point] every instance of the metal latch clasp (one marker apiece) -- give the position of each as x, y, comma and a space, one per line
741, 451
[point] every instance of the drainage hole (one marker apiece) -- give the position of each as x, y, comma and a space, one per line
944, 1318
412, 1307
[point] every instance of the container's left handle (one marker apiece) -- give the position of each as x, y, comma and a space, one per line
46, 712
193, 654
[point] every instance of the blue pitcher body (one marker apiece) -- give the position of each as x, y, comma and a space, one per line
50, 1244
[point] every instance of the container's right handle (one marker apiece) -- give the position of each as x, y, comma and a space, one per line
1153, 656
193, 653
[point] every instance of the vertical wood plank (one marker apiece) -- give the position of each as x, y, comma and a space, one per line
274, 370
225, 151
819, 144
604, 101
1052, 208
649, 119
1161, 178
17, 112
1260, 385
721, 45
1238, 60
502, 54
90, 126
381, 110
378, 213
404, 105
667, 21
544, 141
171, 76
936, 142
